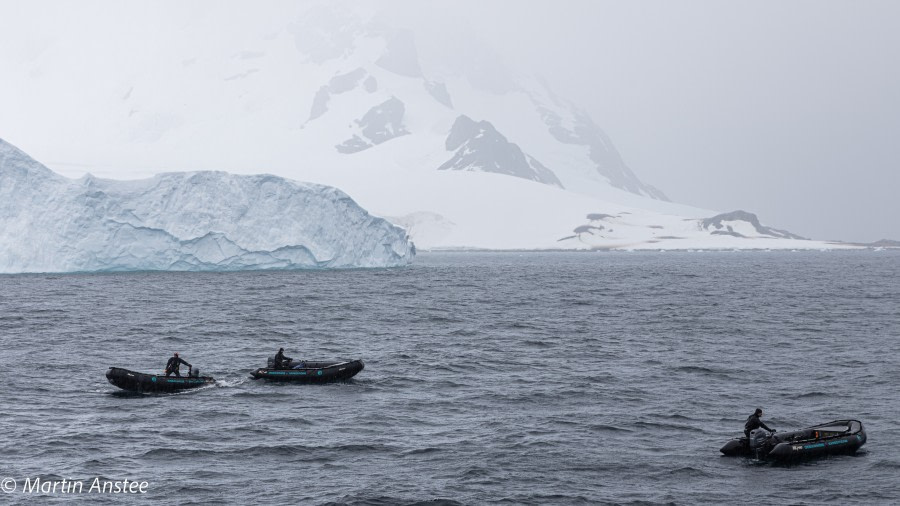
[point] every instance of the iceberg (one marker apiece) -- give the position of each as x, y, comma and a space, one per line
189, 221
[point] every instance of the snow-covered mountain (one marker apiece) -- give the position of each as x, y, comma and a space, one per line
472, 159
462, 152
377, 93
182, 221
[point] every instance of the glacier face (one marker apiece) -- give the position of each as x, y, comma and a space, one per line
183, 221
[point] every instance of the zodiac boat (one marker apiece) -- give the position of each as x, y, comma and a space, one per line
832, 438
155, 383
307, 371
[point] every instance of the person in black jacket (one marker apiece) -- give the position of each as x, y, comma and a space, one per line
280, 360
753, 423
174, 364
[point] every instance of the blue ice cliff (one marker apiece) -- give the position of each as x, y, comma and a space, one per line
191, 221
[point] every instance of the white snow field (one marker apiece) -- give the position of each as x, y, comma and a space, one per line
461, 151
183, 221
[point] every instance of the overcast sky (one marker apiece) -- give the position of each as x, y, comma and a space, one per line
790, 109
787, 109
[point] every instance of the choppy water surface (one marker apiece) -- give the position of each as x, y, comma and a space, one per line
511, 378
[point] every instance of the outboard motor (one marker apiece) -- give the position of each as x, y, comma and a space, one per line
757, 441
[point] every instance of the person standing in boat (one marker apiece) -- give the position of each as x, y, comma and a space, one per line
174, 363
754, 422
281, 361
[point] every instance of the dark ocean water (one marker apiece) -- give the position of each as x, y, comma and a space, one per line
490, 378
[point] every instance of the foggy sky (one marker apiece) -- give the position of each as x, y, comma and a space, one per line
790, 109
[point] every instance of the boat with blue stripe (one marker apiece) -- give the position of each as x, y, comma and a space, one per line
310, 371
839, 437
155, 383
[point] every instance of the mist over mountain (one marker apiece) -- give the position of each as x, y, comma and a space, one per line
446, 136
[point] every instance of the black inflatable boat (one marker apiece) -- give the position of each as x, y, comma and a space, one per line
306, 371
832, 438
155, 383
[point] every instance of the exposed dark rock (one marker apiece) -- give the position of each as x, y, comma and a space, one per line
602, 151
384, 121
338, 84
728, 232
380, 124
716, 223
598, 216
370, 84
320, 103
885, 243
480, 147
587, 229
345, 82
439, 92
352, 145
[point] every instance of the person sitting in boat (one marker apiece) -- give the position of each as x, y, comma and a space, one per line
753, 423
281, 361
174, 364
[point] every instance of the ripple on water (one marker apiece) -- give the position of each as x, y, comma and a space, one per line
490, 378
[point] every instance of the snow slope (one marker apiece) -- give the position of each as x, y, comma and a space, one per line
462, 165
182, 221
462, 153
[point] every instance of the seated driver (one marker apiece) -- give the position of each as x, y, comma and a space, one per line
280, 360
754, 422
